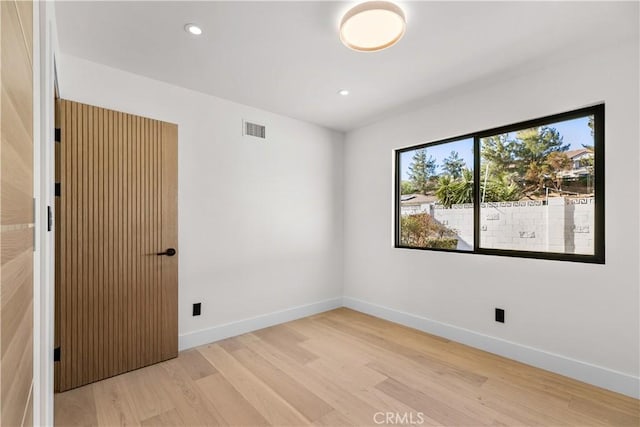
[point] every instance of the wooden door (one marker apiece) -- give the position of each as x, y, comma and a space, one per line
16, 212
116, 297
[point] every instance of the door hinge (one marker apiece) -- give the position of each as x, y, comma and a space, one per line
57, 189
58, 135
56, 354
35, 215
49, 218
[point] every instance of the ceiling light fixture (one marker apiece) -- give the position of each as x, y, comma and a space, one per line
343, 92
372, 26
193, 29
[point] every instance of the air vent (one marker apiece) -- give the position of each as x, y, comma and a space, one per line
254, 129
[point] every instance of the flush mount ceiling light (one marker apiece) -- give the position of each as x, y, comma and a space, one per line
372, 26
343, 92
193, 29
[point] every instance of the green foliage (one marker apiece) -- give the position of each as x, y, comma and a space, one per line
452, 191
444, 192
534, 145
464, 187
442, 243
453, 165
406, 187
530, 161
423, 231
421, 170
587, 162
499, 152
554, 163
500, 188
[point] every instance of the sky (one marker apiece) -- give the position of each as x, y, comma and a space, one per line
574, 132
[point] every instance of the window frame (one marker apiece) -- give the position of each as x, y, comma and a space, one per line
598, 256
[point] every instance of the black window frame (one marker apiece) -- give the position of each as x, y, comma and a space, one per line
598, 257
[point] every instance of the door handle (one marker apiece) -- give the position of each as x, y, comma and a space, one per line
169, 252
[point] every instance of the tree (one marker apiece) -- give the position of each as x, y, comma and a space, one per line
588, 162
499, 166
453, 165
536, 161
554, 163
589, 147
500, 188
406, 187
444, 192
546, 174
463, 188
535, 144
423, 231
421, 170
499, 152
525, 160
455, 191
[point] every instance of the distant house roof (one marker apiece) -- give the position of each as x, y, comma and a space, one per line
572, 154
416, 199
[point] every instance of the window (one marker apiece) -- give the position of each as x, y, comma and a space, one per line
436, 196
532, 189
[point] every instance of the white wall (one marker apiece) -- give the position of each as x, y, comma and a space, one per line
574, 315
260, 222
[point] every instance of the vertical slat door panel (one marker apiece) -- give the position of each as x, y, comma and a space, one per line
58, 241
116, 298
169, 214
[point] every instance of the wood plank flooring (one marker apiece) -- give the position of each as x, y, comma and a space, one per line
341, 368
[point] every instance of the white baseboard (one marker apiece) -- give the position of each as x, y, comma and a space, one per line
227, 330
582, 371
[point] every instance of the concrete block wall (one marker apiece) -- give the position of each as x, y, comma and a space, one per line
562, 225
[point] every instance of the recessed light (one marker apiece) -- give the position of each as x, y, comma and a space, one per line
372, 26
193, 29
343, 92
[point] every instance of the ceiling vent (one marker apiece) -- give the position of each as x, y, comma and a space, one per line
254, 129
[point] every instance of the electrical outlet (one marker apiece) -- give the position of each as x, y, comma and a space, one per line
197, 309
500, 315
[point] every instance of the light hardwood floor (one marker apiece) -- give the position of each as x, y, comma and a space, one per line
342, 368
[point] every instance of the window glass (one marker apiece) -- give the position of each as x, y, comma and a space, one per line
537, 188
436, 200
534, 189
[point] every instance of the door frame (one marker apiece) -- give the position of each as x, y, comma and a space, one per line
45, 48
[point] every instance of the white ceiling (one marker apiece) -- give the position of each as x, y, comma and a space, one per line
286, 57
